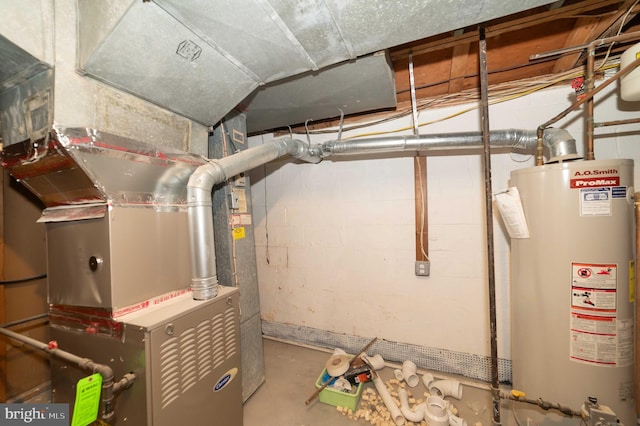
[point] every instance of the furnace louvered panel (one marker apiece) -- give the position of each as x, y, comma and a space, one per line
170, 366
191, 356
185, 355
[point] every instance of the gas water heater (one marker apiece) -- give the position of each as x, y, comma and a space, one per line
573, 295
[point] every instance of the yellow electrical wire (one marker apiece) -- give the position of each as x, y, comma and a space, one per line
540, 86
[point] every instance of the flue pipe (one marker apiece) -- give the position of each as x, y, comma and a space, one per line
560, 144
109, 386
204, 279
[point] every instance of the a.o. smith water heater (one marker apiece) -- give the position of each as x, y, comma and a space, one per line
572, 295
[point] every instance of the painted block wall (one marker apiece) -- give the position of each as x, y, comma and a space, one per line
340, 249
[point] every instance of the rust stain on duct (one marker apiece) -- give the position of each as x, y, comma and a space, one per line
131, 117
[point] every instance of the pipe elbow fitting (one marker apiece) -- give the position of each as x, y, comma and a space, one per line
447, 387
561, 145
417, 414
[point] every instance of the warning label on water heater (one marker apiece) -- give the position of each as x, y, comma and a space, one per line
597, 336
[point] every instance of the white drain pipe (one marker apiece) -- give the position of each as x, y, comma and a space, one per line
204, 281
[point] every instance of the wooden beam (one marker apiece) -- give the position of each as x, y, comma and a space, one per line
505, 27
422, 219
458, 69
588, 29
582, 33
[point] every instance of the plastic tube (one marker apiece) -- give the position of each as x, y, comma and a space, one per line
396, 415
427, 379
456, 421
376, 362
397, 373
410, 373
444, 388
417, 414
436, 412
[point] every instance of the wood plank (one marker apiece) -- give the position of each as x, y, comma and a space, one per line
422, 219
588, 29
582, 33
504, 27
458, 68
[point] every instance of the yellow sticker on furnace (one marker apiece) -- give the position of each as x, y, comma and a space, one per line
238, 233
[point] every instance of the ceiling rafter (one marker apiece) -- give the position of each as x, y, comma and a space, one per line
588, 29
505, 27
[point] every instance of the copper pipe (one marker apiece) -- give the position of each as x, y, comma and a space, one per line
617, 122
590, 80
591, 94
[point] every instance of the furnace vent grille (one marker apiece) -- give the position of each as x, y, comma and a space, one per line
189, 357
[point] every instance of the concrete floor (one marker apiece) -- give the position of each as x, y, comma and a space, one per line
291, 372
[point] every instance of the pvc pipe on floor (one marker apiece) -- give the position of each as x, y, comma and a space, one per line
410, 373
417, 414
436, 412
396, 415
444, 388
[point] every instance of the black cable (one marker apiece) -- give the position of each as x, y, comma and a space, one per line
22, 280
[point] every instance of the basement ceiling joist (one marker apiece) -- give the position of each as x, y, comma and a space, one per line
447, 64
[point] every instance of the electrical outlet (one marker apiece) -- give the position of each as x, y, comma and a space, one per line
422, 268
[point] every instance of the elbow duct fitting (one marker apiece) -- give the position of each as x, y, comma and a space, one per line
444, 388
409, 372
204, 279
417, 414
389, 402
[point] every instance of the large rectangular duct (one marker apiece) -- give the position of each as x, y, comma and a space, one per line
201, 58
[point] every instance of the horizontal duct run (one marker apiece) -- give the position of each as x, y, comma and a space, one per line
559, 143
201, 59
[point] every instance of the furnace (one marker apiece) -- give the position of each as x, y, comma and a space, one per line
119, 273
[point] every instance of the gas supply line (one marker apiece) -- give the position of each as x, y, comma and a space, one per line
109, 386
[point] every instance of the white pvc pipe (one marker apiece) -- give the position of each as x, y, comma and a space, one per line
417, 414
436, 412
427, 379
376, 362
396, 415
410, 373
444, 388
456, 421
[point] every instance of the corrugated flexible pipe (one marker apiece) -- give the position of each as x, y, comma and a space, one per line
204, 279
109, 387
560, 144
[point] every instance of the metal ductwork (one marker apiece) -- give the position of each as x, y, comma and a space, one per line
560, 144
208, 57
204, 278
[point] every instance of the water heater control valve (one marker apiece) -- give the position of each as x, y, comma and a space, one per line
599, 415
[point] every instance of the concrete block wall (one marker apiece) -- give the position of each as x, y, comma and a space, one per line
340, 250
